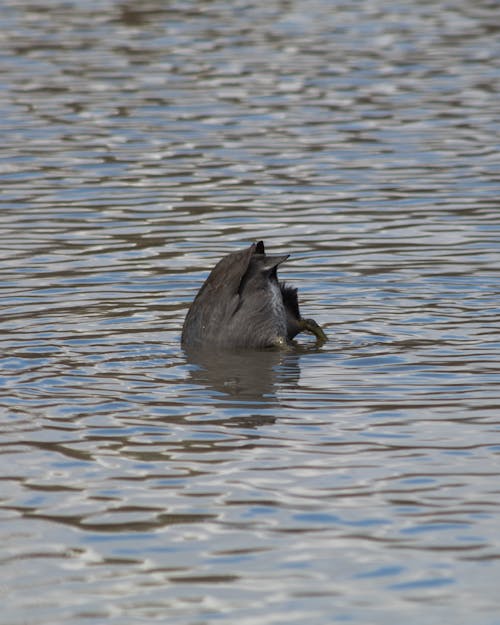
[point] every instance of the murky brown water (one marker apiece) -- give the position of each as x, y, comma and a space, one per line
358, 482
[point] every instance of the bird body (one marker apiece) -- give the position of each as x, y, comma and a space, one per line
242, 305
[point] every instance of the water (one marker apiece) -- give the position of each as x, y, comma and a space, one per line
354, 483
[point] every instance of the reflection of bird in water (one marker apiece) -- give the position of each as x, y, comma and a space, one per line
242, 305
246, 377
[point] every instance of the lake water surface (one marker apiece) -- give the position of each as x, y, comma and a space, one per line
357, 482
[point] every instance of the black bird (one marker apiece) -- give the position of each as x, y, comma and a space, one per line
242, 305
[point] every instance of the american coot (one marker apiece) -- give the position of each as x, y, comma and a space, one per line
242, 305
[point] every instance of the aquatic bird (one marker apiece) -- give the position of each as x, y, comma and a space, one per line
242, 305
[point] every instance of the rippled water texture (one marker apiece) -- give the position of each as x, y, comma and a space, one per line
357, 482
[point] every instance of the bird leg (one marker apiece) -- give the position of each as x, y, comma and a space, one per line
309, 325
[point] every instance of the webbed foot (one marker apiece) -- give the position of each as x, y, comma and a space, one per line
309, 325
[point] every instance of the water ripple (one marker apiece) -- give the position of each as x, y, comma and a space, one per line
358, 481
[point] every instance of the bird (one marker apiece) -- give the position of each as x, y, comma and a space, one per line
243, 305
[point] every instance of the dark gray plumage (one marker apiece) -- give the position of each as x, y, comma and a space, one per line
242, 305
